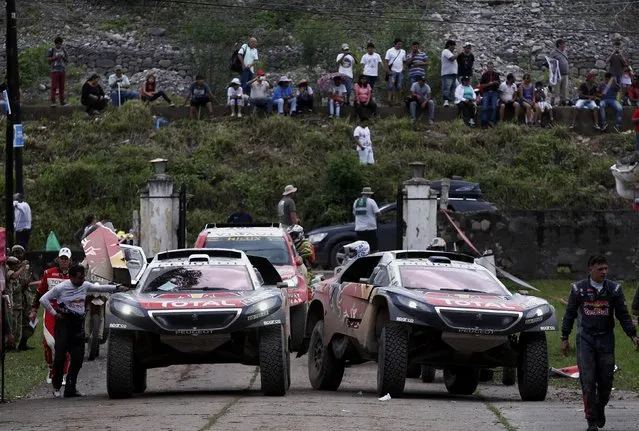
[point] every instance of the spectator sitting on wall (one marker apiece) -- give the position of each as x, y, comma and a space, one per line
421, 99
608, 91
199, 95
507, 92
284, 97
542, 102
587, 100
304, 96
337, 94
465, 99
235, 97
260, 88
526, 97
149, 92
119, 85
626, 83
93, 95
365, 106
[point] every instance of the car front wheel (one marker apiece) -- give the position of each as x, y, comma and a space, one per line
325, 371
273, 361
428, 374
532, 372
392, 360
120, 365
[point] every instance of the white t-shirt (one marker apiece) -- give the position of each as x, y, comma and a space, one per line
363, 135
338, 90
371, 63
309, 91
250, 55
396, 57
596, 285
507, 92
233, 92
260, 90
449, 67
364, 210
346, 62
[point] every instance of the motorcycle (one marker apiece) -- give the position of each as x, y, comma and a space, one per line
94, 333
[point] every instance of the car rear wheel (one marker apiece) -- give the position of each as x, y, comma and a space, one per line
325, 371
392, 360
461, 380
428, 374
509, 376
120, 365
298, 320
532, 372
273, 361
414, 371
486, 375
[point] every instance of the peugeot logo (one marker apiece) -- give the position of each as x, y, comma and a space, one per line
478, 316
194, 317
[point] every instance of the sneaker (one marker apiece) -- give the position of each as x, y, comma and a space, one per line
232, 114
64, 380
73, 394
471, 123
172, 105
491, 124
239, 115
616, 129
597, 127
604, 126
57, 393
53, 105
49, 376
446, 103
430, 122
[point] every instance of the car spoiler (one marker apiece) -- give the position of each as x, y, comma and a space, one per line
211, 252
219, 225
266, 269
425, 254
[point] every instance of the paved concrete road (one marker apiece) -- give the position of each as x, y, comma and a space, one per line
227, 397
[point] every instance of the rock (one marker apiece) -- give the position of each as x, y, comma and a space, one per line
485, 225
42, 87
535, 49
476, 226
164, 63
600, 64
436, 17
157, 31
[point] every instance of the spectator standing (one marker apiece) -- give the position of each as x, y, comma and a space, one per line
394, 63
93, 96
248, 56
286, 209
21, 220
304, 96
616, 62
4, 107
417, 61
466, 61
421, 99
119, 85
596, 301
608, 91
364, 103
58, 59
526, 97
541, 100
633, 92
284, 97
489, 88
371, 61
336, 100
560, 54
507, 97
259, 95
240, 216
235, 97
199, 96
15, 268
587, 100
362, 135
465, 99
150, 93
449, 72
366, 212
635, 121
626, 83
22, 298
345, 60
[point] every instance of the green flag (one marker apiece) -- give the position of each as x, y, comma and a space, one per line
52, 243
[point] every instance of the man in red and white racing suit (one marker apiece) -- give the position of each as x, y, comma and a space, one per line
51, 278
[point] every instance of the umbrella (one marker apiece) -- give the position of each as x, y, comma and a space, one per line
103, 254
52, 243
325, 82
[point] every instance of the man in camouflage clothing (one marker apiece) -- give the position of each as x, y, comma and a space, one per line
304, 249
21, 298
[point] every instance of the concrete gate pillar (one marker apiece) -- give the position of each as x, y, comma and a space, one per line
159, 209
419, 210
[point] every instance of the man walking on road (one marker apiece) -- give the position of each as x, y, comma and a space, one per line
595, 301
286, 210
21, 220
366, 211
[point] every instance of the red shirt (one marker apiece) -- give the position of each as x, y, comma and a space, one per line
49, 280
633, 92
635, 117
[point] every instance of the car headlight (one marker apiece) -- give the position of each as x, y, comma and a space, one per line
124, 309
292, 282
538, 311
264, 307
316, 238
412, 304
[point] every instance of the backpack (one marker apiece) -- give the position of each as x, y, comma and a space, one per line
235, 63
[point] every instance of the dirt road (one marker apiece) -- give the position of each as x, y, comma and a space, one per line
227, 397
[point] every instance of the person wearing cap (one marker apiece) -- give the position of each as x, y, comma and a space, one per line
199, 96
466, 61
421, 98
364, 148
51, 278
286, 210
235, 97
58, 59
466, 101
284, 97
416, 61
119, 85
366, 212
259, 95
15, 269
248, 56
240, 216
449, 72
22, 297
336, 100
345, 60
93, 96
588, 93
394, 63
304, 96
21, 220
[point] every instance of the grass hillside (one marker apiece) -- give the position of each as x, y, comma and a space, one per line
74, 167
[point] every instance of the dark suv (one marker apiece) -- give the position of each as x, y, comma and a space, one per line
464, 196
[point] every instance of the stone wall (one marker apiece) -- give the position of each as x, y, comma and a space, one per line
548, 244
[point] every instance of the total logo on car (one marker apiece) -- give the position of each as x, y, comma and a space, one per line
273, 243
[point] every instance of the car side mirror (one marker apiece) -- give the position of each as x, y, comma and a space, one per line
298, 261
523, 292
282, 285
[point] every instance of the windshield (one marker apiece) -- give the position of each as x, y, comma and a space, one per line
447, 278
272, 248
213, 277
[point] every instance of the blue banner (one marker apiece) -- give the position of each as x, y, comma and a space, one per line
18, 138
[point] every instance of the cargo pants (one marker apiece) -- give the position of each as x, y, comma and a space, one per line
596, 361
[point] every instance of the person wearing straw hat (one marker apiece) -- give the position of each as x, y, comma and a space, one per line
284, 97
235, 97
304, 96
286, 210
366, 212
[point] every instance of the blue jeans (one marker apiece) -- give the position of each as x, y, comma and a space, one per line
614, 104
348, 83
395, 81
123, 96
371, 80
430, 107
263, 103
489, 101
3, 107
448, 87
246, 76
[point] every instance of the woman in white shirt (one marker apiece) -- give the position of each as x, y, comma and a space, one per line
235, 97
466, 100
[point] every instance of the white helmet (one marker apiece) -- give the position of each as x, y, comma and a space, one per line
357, 249
437, 244
296, 232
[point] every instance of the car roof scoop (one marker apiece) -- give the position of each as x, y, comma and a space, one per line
439, 259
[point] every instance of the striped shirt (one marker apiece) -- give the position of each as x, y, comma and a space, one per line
418, 62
